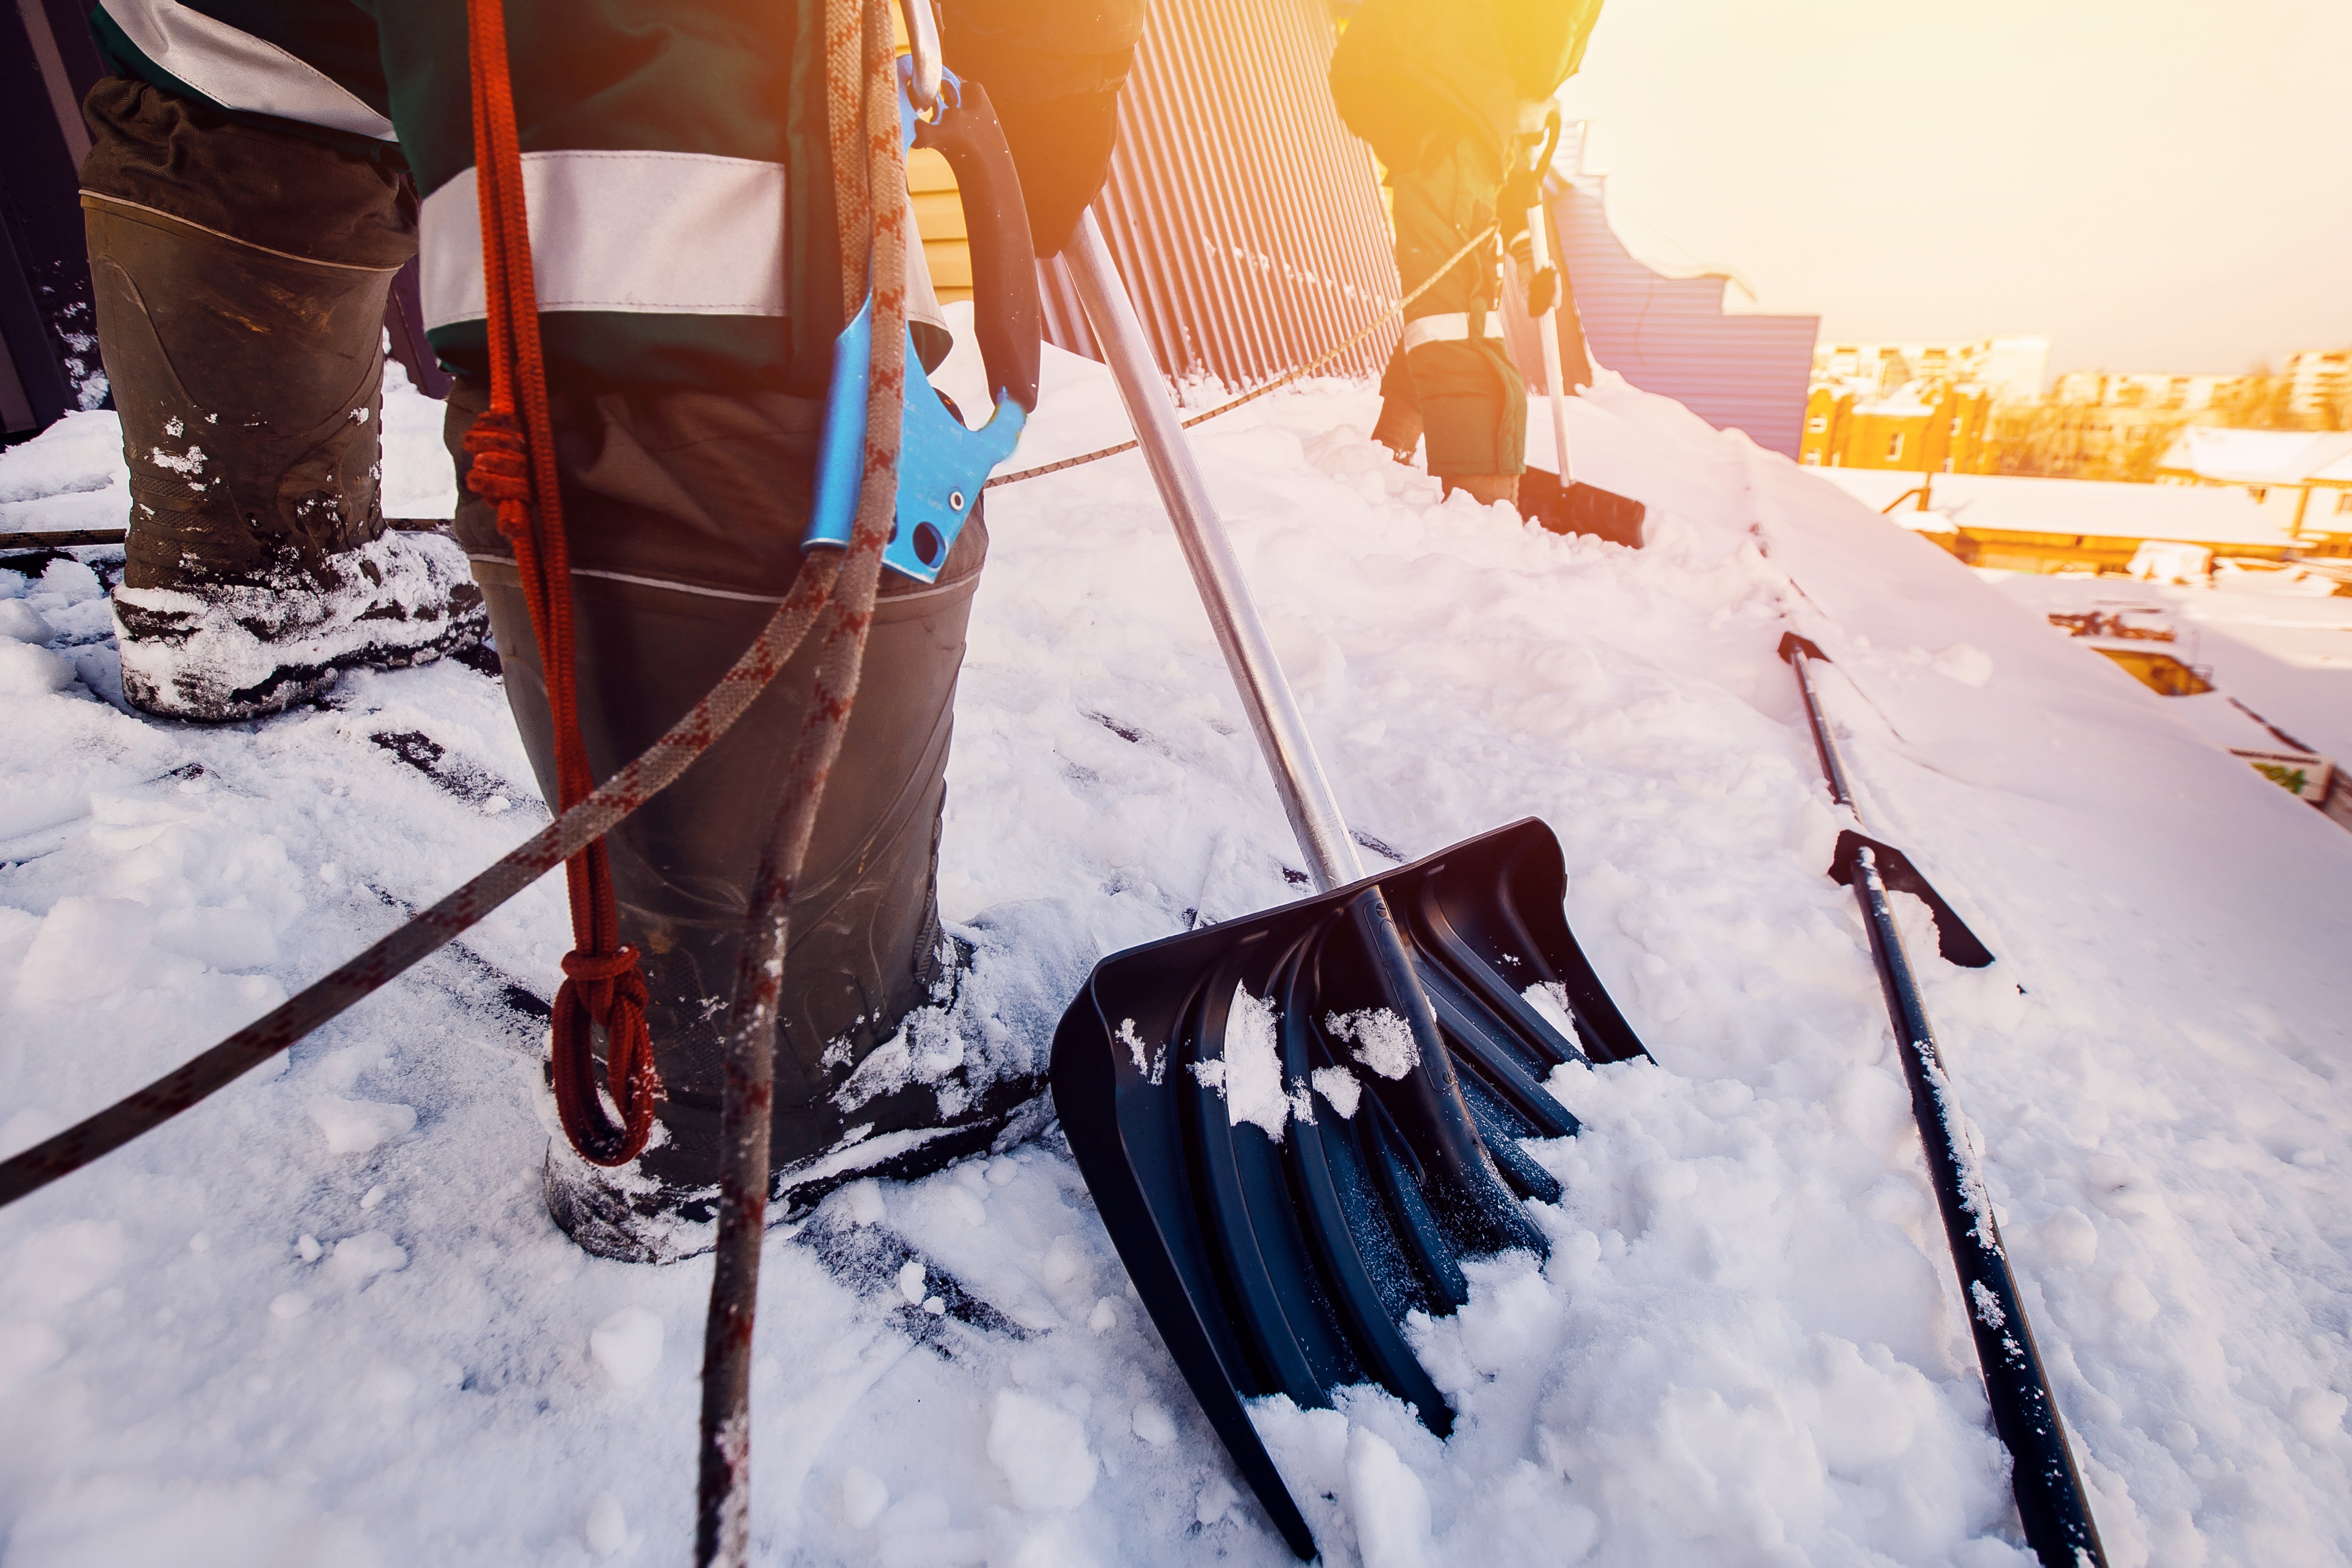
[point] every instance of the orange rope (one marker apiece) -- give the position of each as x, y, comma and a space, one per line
514, 467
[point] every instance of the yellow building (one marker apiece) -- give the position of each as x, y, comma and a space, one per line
1950, 435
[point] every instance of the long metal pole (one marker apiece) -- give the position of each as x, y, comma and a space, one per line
1548, 331
1306, 797
2048, 1489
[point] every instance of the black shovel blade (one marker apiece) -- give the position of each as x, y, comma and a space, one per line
1288, 1265
1580, 507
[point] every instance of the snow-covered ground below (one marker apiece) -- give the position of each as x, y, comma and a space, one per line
323, 1318
2278, 641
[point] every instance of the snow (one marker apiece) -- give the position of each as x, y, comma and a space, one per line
1249, 1072
2278, 642
1383, 1041
1746, 1344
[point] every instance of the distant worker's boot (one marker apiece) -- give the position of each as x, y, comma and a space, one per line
241, 276
1485, 488
1399, 425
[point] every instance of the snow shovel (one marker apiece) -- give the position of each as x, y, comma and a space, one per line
1297, 1124
1559, 502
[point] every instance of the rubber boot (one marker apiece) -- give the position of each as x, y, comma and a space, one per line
1485, 488
1400, 425
865, 948
249, 381
684, 511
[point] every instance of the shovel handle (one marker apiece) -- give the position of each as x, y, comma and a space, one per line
1548, 323
1306, 797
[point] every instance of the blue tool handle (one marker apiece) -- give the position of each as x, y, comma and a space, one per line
1006, 313
941, 464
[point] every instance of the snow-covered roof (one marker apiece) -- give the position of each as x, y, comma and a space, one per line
2102, 508
2259, 457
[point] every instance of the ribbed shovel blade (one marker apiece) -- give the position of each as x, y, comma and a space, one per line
1288, 1265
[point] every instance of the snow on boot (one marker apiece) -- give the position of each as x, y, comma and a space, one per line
241, 276
239, 648
888, 1060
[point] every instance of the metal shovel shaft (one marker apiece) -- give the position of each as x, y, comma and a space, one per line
1306, 797
1548, 334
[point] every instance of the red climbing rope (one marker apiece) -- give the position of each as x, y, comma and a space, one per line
514, 467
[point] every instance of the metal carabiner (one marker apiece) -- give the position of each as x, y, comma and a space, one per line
923, 48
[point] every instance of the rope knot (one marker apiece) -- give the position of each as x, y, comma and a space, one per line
500, 471
602, 968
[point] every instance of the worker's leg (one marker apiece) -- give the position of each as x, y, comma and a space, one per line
685, 512
1477, 410
1471, 403
241, 275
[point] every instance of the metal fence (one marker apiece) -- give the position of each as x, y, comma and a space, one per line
1245, 219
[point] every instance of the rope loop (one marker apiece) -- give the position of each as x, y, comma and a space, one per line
607, 989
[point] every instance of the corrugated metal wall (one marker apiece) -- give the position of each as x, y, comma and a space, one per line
1671, 335
1245, 219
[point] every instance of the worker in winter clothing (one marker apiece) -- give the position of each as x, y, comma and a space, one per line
687, 275
1449, 93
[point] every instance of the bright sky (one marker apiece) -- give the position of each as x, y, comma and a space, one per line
2153, 184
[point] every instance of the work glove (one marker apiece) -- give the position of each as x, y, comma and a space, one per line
1543, 291
1052, 70
1543, 285
1061, 149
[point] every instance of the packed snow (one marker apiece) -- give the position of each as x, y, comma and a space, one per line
323, 1318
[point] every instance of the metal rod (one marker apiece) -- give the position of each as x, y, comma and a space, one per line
1306, 797
1832, 765
1548, 333
2048, 1490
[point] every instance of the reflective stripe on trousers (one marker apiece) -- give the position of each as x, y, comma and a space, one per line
1449, 327
237, 70
675, 234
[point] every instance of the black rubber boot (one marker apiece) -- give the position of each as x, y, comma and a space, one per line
873, 1075
249, 381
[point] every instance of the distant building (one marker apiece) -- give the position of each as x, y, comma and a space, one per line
1939, 430
2082, 440
2308, 476
2010, 369
2319, 387
2155, 392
